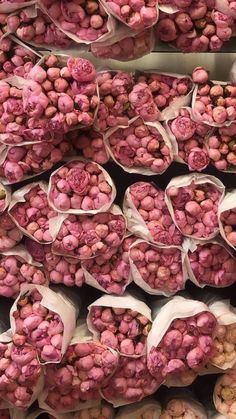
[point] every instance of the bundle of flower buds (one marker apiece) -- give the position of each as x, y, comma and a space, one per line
39, 316
114, 108
196, 27
17, 267
157, 270
185, 340
26, 161
214, 103
137, 15
126, 49
86, 366
31, 212
222, 148
131, 382
58, 269
15, 59
104, 411
62, 94
227, 218
224, 395
211, 263
83, 237
5, 197
148, 216
81, 187
146, 409
183, 408
169, 91
121, 323
111, 276
10, 234
188, 140
193, 201
38, 30
85, 21
89, 144
20, 379
141, 147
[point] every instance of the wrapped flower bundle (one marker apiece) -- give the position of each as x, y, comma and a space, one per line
84, 237
131, 382
183, 408
222, 148
211, 263
225, 346
16, 268
114, 108
140, 148
39, 316
184, 342
196, 26
188, 139
105, 411
10, 234
214, 103
89, 144
31, 212
148, 216
157, 270
224, 395
111, 276
227, 218
121, 323
137, 15
146, 409
81, 187
169, 91
193, 202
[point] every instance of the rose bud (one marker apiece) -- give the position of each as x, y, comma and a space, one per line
83, 237
227, 219
144, 205
41, 327
124, 329
148, 155
89, 144
10, 234
224, 396
131, 382
157, 270
194, 207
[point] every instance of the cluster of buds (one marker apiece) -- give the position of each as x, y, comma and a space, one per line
30, 160
224, 395
195, 206
86, 20
89, 144
186, 345
114, 108
214, 103
137, 15
142, 103
81, 186
159, 268
16, 268
168, 90
31, 212
111, 276
84, 369
131, 382
20, 373
195, 27
105, 411
227, 219
212, 264
222, 148
15, 59
145, 204
83, 237
119, 328
181, 408
189, 137
39, 30
224, 346
38, 326
10, 234
126, 49
141, 147
61, 95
